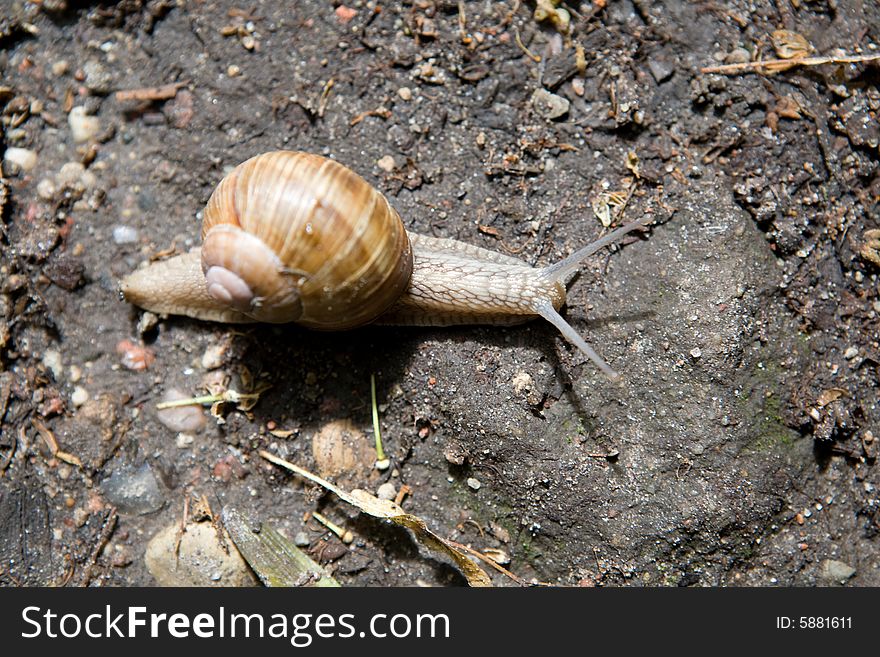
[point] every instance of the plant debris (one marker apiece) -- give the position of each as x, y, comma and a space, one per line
388, 510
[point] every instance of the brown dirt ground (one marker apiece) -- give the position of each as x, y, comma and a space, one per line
741, 448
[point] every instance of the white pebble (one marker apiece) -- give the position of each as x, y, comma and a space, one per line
386, 163
52, 360
522, 382
386, 491
696, 352
405, 93
125, 235
213, 356
71, 173
851, 353
549, 105
82, 126
80, 396
184, 440
186, 419
24, 158
46, 189
474, 483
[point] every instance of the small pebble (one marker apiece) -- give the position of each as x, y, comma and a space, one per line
233, 70
342, 451
71, 174
134, 490
60, 67
213, 356
98, 78
134, 356
696, 352
522, 382
851, 353
549, 105
474, 483
23, 158
386, 163
386, 491
737, 56
125, 235
185, 419
199, 556
405, 93
82, 126
301, 539
75, 373
184, 440
833, 570
52, 361
79, 396
660, 69
46, 189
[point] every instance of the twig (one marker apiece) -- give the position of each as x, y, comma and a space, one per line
163, 92
325, 96
103, 539
381, 112
779, 65
462, 24
501, 569
529, 54
49, 438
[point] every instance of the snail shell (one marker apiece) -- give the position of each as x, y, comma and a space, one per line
323, 249
295, 237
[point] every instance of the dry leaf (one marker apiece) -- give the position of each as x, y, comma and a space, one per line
632, 163
498, 556
790, 45
275, 559
788, 108
830, 395
604, 204
388, 510
871, 246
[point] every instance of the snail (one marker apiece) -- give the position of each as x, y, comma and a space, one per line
295, 237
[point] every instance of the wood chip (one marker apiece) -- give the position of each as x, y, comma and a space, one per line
163, 92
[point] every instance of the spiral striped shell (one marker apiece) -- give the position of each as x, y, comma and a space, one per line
296, 237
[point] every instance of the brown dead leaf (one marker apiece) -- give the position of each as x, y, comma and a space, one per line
790, 45
632, 163
871, 246
388, 510
788, 108
830, 395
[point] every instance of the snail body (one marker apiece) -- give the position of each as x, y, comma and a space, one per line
295, 237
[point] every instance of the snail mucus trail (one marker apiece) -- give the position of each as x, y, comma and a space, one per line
296, 237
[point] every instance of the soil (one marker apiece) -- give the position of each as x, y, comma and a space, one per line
740, 448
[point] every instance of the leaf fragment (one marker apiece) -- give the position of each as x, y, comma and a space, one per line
388, 510
274, 558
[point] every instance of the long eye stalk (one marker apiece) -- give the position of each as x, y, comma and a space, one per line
564, 270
